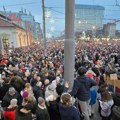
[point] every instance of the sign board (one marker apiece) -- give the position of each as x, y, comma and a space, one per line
113, 77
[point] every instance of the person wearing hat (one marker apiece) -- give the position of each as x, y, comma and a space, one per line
10, 111
25, 111
66, 109
51, 97
41, 112
11, 94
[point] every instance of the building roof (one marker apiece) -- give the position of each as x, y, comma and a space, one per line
3, 16
13, 16
7, 23
81, 6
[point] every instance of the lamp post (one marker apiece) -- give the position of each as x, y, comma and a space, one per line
44, 30
69, 49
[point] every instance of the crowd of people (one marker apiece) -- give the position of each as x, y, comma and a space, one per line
32, 85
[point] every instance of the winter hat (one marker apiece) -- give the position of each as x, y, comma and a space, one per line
12, 90
52, 86
57, 78
39, 84
40, 100
25, 94
13, 102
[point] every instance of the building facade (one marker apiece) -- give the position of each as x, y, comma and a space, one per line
26, 21
88, 17
109, 30
38, 32
11, 34
35, 26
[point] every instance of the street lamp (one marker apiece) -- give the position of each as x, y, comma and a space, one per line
93, 27
79, 22
44, 28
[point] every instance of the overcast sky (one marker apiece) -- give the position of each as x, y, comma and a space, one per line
57, 12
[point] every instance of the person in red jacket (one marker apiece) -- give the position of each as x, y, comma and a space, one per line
4, 60
10, 111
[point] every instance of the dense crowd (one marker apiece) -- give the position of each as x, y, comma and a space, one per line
32, 83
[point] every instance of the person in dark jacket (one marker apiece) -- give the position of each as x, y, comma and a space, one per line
11, 94
67, 110
41, 112
81, 89
24, 112
37, 90
4, 88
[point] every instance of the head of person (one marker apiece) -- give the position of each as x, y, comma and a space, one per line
39, 84
24, 94
28, 100
41, 101
38, 77
46, 82
6, 80
12, 91
24, 78
66, 99
13, 102
28, 86
106, 96
82, 71
52, 86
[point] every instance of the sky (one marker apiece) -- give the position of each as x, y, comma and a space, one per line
55, 9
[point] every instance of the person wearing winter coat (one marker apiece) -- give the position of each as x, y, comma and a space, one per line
51, 98
24, 112
11, 94
10, 111
4, 88
81, 89
41, 111
67, 110
37, 90
106, 103
93, 98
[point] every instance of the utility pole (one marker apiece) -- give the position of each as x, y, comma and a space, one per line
44, 30
69, 49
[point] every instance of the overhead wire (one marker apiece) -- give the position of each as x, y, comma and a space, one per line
20, 4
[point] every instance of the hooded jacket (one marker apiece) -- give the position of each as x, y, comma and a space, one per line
81, 87
69, 113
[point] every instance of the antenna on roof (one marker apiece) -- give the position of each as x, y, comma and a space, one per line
21, 10
117, 3
5, 13
29, 13
4, 8
25, 10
